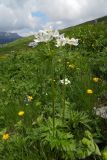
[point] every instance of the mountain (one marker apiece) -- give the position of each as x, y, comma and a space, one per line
6, 37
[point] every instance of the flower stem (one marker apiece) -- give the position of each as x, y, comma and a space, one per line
63, 93
53, 96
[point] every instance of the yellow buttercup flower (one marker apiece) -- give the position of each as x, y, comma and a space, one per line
29, 98
89, 91
21, 113
5, 136
96, 79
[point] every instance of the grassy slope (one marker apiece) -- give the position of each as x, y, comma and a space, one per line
29, 74
20, 44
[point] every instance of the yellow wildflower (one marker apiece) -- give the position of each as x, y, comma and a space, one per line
21, 113
89, 91
72, 66
96, 79
5, 136
29, 98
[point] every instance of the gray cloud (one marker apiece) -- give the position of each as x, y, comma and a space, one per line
16, 15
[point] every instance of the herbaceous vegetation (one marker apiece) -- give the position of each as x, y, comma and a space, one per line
53, 96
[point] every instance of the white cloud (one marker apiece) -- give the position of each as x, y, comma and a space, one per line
16, 15
74, 9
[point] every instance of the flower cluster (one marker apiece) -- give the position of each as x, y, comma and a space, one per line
48, 35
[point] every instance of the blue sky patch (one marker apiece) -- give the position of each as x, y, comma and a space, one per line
41, 15
38, 14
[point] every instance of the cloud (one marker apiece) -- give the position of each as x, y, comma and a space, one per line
26, 16
72, 10
17, 15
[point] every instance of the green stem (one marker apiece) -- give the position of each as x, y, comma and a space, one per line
63, 92
53, 96
53, 88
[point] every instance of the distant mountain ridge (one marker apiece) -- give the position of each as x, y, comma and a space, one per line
6, 37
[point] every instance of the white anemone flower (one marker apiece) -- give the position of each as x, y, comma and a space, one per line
49, 34
56, 34
43, 36
61, 41
65, 82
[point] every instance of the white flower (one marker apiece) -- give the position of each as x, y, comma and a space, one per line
43, 36
60, 41
49, 34
66, 81
73, 41
32, 44
56, 34
102, 112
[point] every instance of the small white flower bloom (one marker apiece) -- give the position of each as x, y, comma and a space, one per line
102, 112
66, 81
60, 41
56, 34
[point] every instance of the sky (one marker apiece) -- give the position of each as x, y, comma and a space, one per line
29, 16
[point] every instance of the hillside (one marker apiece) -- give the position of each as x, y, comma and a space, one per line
53, 99
17, 45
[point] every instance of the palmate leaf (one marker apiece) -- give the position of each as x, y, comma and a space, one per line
77, 118
62, 141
